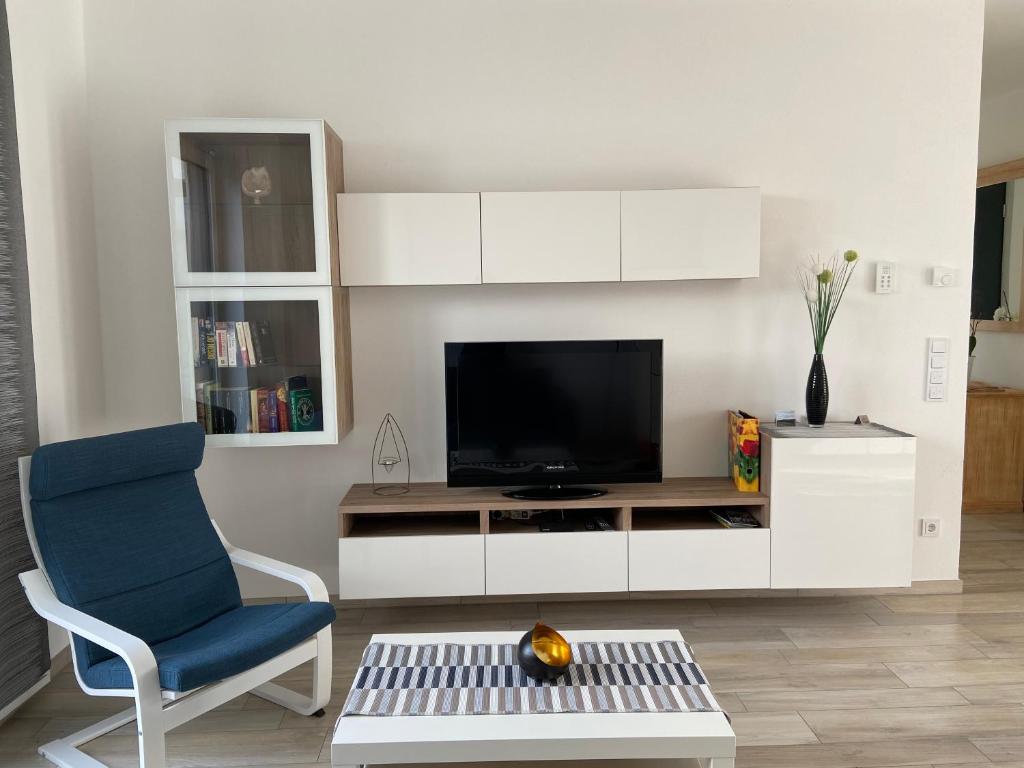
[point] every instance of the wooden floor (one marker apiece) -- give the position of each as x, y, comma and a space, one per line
832, 682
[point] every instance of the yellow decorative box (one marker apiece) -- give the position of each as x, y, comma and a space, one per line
744, 451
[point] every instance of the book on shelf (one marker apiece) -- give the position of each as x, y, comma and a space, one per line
283, 419
284, 407
232, 343
301, 410
243, 350
735, 518
263, 342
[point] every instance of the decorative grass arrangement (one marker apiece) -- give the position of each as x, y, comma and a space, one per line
824, 284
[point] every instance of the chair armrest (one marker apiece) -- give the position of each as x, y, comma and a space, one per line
132, 649
311, 584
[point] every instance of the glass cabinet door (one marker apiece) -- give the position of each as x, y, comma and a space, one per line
257, 364
247, 207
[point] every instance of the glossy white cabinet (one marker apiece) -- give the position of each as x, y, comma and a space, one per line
539, 563
691, 234
842, 508
409, 238
550, 237
699, 559
410, 566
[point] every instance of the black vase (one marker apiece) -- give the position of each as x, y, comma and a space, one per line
817, 392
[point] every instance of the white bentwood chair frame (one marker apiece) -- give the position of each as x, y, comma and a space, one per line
158, 711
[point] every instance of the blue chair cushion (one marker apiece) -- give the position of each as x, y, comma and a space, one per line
222, 647
125, 536
93, 462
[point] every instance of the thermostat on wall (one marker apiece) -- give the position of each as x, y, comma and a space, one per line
943, 277
885, 277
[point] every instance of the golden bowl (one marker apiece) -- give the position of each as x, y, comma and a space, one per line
543, 653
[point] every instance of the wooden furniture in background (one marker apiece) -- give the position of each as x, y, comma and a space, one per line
994, 448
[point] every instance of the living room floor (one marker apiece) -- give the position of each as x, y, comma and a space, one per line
809, 681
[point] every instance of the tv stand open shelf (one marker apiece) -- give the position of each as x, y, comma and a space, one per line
440, 500
438, 541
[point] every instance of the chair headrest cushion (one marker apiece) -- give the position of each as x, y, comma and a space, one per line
93, 462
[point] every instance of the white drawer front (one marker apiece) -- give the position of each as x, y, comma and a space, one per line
539, 563
411, 566
698, 559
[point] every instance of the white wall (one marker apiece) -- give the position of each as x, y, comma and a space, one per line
48, 61
854, 143
1000, 356
48, 64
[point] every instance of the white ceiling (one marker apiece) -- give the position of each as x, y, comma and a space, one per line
1003, 59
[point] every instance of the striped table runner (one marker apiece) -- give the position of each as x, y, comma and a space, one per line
449, 679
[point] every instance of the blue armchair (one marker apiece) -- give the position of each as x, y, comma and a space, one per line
132, 566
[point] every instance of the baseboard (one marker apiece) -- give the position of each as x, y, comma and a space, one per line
60, 660
931, 587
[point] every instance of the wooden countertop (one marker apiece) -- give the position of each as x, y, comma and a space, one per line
438, 497
981, 388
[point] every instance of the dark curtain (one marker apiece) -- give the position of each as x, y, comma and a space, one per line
24, 650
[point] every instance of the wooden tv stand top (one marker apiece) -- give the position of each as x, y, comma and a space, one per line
439, 498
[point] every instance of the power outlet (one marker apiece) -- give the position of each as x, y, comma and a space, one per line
930, 526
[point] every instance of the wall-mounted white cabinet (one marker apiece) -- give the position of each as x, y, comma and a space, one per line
550, 237
263, 325
409, 239
691, 234
842, 506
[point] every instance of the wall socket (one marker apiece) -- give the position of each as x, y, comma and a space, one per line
930, 526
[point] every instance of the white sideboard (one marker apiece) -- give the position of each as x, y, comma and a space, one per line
548, 237
836, 511
410, 239
842, 500
691, 234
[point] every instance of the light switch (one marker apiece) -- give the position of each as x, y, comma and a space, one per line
937, 365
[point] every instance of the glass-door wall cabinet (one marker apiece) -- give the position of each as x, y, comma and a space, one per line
263, 325
252, 201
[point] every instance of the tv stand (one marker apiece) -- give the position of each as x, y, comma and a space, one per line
436, 541
554, 493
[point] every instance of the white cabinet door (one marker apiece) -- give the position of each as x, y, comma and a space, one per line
842, 511
698, 559
550, 237
539, 563
691, 234
410, 566
409, 239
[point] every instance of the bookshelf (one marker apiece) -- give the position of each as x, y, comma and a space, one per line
262, 321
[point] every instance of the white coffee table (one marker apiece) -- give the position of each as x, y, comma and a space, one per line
706, 736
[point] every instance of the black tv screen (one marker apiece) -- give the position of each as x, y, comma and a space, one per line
553, 413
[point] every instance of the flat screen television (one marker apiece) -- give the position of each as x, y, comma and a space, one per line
553, 416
